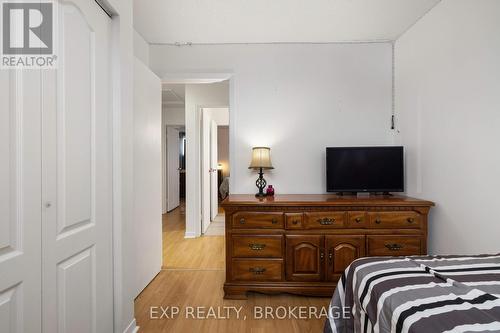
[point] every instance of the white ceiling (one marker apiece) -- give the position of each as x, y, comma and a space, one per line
265, 21
173, 95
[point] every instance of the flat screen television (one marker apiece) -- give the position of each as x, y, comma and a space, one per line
364, 169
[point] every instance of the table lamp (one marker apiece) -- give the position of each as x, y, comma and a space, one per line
261, 159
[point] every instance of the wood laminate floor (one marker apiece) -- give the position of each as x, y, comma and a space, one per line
205, 252
191, 282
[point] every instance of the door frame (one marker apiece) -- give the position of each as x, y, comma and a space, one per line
205, 128
193, 192
214, 167
165, 169
122, 87
205, 161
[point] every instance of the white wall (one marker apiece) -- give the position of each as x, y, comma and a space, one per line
147, 175
174, 116
198, 96
303, 96
448, 105
141, 48
219, 115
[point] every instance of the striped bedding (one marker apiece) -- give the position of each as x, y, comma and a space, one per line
418, 294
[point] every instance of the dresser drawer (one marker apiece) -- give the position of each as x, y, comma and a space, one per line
294, 220
257, 246
258, 220
406, 219
357, 219
381, 245
257, 270
324, 220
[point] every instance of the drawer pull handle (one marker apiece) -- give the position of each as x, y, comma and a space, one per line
274, 221
358, 219
322, 255
257, 270
330, 257
410, 220
295, 222
242, 221
257, 247
394, 247
326, 221
378, 221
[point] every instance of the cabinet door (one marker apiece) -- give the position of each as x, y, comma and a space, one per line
341, 251
304, 257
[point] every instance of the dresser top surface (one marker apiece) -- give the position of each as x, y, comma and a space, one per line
323, 200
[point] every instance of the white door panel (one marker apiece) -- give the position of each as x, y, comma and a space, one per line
206, 170
214, 191
20, 201
76, 168
173, 176
55, 184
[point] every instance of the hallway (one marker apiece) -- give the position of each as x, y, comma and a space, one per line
217, 227
200, 253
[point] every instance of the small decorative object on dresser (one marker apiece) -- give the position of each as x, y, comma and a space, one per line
270, 191
301, 244
261, 159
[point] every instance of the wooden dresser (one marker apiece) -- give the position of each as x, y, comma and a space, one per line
301, 244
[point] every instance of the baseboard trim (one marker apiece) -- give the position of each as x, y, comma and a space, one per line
132, 327
190, 234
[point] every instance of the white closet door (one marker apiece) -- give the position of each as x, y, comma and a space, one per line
77, 288
20, 201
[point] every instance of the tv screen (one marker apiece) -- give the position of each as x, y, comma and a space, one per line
364, 169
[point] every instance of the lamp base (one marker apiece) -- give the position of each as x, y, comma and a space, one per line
261, 184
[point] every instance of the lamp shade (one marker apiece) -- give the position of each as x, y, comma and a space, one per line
261, 158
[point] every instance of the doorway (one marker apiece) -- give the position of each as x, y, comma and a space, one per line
175, 172
214, 167
173, 146
185, 108
183, 105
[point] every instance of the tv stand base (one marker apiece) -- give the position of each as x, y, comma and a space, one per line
345, 193
363, 194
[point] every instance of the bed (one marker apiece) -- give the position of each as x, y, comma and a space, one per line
224, 188
418, 295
